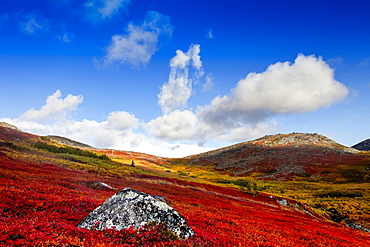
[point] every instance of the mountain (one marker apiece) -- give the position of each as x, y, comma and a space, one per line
280, 157
363, 146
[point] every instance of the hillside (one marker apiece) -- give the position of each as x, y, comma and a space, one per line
48, 188
363, 146
66, 141
281, 157
12, 133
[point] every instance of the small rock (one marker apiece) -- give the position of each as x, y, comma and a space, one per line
134, 208
283, 202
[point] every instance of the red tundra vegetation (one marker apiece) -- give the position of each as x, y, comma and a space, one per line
42, 200
41, 205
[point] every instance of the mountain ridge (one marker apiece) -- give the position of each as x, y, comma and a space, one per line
281, 140
363, 146
277, 140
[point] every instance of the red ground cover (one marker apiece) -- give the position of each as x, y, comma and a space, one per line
41, 204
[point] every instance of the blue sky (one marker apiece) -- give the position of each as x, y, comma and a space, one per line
174, 78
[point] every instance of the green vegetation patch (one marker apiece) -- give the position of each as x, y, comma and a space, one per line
69, 150
11, 145
242, 183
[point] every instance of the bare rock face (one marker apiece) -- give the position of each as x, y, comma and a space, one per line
69, 142
6, 125
363, 146
134, 208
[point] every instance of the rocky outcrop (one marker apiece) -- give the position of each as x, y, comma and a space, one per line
134, 208
9, 126
363, 146
69, 142
302, 139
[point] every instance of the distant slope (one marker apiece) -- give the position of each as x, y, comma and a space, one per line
9, 126
363, 146
129, 156
10, 132
280, 157
69, 142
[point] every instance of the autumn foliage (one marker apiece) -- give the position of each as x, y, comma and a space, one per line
41, 204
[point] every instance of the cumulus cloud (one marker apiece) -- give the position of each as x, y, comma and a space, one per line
31, 23
249, 111
52, 119
55, 108
177, 90
104, 8
121, 120
177, 125
239, 130
140, 43
284, 88
118, 131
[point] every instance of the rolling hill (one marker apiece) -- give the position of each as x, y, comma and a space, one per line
48, 187
283, 156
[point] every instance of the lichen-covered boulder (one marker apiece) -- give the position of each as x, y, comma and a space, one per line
134, 208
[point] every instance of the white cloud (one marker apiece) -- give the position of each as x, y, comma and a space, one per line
55, 108
104, 8
117, 131
140, 43
177, 125
177, 90
121, 121
335, 61
173, 150
247, 112
209, 83
240, 130
31, 23
284, 88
